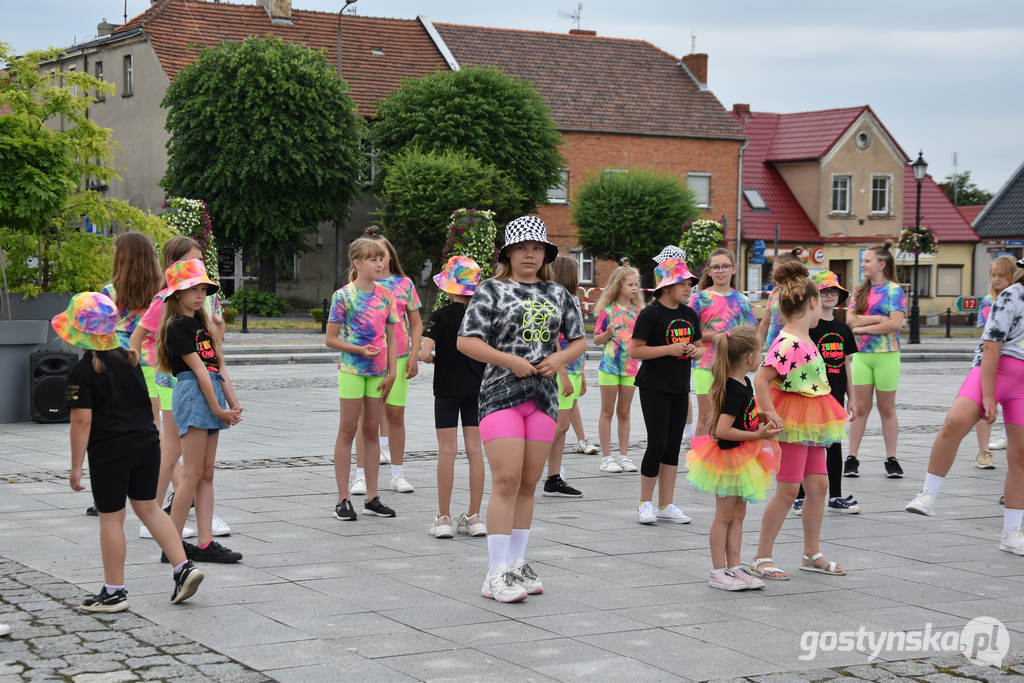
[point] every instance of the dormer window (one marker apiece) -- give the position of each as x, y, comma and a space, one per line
377, 51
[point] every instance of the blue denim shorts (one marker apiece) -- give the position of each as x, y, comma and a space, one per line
190, 407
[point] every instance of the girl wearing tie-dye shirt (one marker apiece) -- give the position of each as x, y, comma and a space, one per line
1000, 275
880, 305
720, 308
362, 327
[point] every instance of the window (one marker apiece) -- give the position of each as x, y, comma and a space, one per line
99, 77
369, 169
559, 194
614, 170
287, 267
586, 262
841, 193
880, 193
863, 140
74, 88
905, 274
129, 81
949, 281
700, 183
755, 200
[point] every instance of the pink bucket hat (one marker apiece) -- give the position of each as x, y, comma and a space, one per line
88, 322
460, 276
829, 280
185, 274
672, 271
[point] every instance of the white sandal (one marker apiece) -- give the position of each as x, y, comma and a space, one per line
829, 568
770, 574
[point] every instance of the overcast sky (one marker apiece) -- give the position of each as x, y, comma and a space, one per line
944, 76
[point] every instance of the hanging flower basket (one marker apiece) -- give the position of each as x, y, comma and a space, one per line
918, 240
700, 238
471, 233
190, 217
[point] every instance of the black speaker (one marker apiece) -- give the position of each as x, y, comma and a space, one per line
48, 376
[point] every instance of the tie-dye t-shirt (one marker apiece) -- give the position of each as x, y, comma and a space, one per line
127, 318
364, 317
775, 321
719, 313
406, 299
984, 308
575, 367
1005, 324
615, 360
801, 368
883, 299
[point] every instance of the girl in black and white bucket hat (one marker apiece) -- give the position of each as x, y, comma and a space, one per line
527, 229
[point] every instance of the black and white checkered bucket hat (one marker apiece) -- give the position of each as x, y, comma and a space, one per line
671, 251
528, 229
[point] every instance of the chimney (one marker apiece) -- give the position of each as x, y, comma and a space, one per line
582, 32
697, 65
104, 28
279, 11
741, 110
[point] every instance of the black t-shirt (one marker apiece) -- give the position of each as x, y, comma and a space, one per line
122, 417
835, 341
739, 402
661, 326
456, 375
187, 335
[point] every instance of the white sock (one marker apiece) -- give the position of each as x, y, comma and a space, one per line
718, 571
607, 458
111, 589
497, 550
933, 483
689, 430
360, 473
383, 442
517, 545
561, 473
1011, 520
396, 471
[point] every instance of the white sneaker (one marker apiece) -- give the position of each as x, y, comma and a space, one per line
586, 447
5, 630
646, 513
503, 586
997, 444
610, 465
923, 504
187, 532
471, 525
442, 527
527, 577
672, 514
385, 454
358, 487
727, 581
220, 527
1013, 541
400, 485
626, 464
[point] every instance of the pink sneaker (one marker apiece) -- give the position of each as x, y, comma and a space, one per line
727, 581
746, 577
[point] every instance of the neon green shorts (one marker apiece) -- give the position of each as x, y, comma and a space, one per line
400, 389
565, 402
702, 380
357, 386
880, 369
607, 379
166, 395
149, 372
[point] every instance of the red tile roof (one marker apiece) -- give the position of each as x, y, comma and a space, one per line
597, 83
937, 211
783, 208
811, 134
177, 29
970, 212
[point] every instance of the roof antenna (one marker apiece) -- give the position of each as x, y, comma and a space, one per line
693, 42
574, 16
126, 11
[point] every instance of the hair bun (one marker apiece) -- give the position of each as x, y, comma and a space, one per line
624, 261
888, 245
787, 272
372, 231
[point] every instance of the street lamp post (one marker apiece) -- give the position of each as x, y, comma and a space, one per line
920, 167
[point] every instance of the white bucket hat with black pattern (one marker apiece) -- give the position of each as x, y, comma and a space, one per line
671, 251
528, 229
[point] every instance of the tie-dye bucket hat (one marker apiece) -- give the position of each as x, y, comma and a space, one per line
88, 322
672, 271
829, 280
460, 275
185, 274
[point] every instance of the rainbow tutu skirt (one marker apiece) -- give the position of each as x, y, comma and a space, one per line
811, 420
745, 471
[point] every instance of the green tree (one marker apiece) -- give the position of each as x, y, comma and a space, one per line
632, 215
45, 169
962, 192
421, 190
263, 131
480, 111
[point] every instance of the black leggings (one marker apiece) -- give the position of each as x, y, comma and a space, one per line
665, 417
834, 463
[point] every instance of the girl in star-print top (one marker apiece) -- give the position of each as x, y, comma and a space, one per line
512, 324
794, 394
1000, 275
720, 308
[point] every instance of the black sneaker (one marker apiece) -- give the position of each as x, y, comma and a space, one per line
91, 511
893, 469
189, 551
556, 486
186, 582
851, 468
106, 602
375, 507
344, 511
215, 552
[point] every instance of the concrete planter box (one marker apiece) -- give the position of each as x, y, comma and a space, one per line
18, 339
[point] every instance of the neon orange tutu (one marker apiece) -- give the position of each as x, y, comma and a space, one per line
745, 471
813, 420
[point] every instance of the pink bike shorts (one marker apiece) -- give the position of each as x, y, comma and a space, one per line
524, 421
1009, 388
799, 460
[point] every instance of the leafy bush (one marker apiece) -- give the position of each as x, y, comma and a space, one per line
229, 313
700, 238
318, 314
266, 304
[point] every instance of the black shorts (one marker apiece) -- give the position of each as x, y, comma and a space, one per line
447, 411
133, 475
